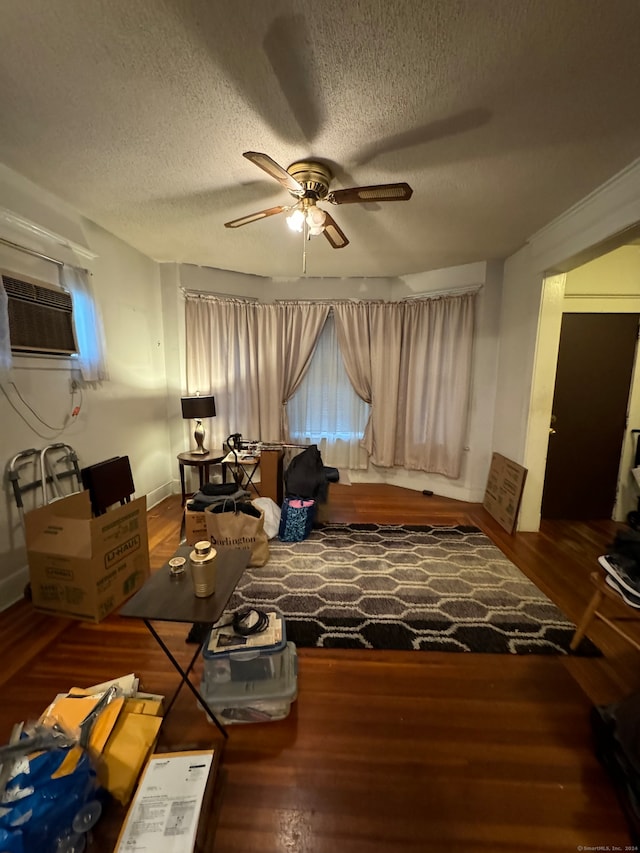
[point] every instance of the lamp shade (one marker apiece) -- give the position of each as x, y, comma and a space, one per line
198, 407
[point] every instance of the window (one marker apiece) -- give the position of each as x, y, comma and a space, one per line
325, 410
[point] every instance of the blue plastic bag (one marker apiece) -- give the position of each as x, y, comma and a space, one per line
296, 520
40, 806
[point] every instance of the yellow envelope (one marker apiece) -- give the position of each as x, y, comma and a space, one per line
71, 710
69, 763
126, 751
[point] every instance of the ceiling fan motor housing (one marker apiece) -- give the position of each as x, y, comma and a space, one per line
313, 176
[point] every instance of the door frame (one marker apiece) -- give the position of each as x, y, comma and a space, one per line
616, 474
553, 305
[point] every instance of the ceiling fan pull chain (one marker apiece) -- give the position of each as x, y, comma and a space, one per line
304, 247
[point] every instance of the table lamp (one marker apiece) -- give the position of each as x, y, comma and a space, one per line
198, 408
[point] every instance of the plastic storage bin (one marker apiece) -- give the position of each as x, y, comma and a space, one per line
256, 700
254, 662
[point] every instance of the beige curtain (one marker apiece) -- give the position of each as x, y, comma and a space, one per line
435, 378
385, 324
251, 357
301, 324
411, 360
269, 337
354, 340
370, 337
222, 359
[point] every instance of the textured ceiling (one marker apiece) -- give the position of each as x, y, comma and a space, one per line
501, 114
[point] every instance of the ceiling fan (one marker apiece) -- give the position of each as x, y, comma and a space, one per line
308, 182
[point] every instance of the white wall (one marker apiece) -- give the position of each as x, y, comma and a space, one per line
123, 416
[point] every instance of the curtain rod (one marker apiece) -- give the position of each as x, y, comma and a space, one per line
31, 252
41, 255
188, 293
432, 294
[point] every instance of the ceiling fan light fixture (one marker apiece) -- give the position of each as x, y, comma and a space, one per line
308, 182
295, 220
316, 217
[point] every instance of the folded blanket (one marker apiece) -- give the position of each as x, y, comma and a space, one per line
214, 489
200, 501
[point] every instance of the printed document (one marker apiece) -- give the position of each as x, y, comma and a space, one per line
164, 815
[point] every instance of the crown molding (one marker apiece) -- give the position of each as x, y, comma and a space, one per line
32, 228
611, 209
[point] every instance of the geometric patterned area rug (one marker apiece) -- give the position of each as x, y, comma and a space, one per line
381, 586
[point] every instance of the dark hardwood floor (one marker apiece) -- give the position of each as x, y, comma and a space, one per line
382, 751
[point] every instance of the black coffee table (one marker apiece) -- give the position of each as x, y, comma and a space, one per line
167, 599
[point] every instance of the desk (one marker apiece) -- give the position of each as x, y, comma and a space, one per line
167, 599
271, 477
201, 461
269, 460
243, 465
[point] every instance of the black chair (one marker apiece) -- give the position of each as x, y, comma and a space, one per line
108, 482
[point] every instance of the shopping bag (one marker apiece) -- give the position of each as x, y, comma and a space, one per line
296, 519
272, 515
232, 525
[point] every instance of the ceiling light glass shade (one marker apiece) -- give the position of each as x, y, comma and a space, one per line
314, 230
295, 220
316, 217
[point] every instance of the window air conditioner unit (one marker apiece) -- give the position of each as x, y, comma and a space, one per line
40, 316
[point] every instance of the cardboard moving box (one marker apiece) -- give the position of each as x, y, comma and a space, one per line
85, 567
195, 526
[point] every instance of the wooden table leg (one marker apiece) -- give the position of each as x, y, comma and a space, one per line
593, 605
184, 494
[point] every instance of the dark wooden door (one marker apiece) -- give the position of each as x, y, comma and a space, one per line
593, 379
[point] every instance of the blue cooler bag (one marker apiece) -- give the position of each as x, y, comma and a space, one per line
296, 519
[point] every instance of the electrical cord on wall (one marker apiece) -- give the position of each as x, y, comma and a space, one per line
58, 430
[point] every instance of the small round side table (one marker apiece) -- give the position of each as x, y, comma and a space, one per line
201, 461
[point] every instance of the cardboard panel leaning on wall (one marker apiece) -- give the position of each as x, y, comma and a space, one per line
504, 490
84, 567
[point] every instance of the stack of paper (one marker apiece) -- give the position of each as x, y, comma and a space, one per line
123, 733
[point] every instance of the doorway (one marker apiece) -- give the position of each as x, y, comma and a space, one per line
593, 379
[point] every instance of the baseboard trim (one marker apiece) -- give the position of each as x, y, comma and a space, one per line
12, 588
155, 496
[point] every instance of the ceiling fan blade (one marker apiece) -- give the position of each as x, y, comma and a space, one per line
253, 217
334, 234
377, 192
263, 161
